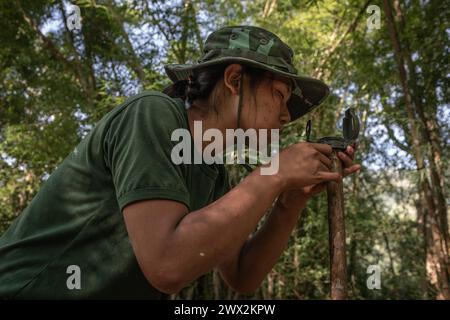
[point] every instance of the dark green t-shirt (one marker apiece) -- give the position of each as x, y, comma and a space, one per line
76, 217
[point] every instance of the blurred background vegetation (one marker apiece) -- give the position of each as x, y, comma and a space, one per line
56, 83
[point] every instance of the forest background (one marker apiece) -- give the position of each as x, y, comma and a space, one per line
387, 59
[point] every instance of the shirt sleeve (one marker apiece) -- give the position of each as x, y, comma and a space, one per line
138, 150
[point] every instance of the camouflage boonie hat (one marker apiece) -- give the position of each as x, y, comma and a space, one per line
258, 48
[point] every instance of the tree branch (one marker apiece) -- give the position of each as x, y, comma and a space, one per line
318, 72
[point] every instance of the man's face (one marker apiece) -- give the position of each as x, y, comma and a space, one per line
265, 104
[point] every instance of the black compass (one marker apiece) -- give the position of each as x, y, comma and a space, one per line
350, 128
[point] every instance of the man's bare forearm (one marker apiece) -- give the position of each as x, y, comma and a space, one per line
204, 238
262, 251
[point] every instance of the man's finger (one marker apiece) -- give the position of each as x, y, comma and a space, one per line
329, 176
352, 169
318, 188
323, 148
325, 160
348, 162
350, 152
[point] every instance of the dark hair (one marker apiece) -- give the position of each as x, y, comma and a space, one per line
204, 80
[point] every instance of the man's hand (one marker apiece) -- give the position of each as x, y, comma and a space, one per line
247, 267
296, 199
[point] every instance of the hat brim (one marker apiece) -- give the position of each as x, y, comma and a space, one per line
308, 94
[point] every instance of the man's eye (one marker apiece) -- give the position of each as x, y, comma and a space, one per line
281, 95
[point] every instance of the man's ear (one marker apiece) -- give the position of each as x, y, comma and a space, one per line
232, 78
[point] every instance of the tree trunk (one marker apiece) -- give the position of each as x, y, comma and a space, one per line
430, 135
438, 242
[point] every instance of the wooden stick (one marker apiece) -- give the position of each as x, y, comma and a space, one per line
336, 224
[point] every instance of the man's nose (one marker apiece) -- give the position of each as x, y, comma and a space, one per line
285, 116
